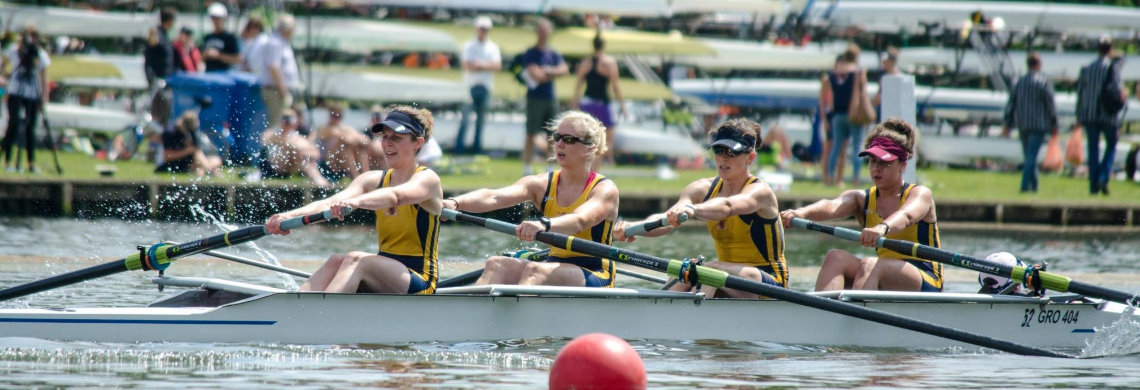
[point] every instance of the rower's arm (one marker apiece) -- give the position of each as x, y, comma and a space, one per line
755, 197
846, 205
690, 195
602, 203
484, 200
359, 185
423, 186
917, 207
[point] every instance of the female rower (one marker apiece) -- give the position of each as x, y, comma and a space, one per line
406, 198
741, 211
891, 208
574, 200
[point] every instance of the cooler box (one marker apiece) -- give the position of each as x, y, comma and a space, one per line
247, 117
190, 89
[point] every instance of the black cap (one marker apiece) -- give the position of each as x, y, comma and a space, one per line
732, 138
401, 123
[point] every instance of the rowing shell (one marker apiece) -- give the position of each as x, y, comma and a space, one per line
233, 312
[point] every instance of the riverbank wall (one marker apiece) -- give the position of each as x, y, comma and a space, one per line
253, 202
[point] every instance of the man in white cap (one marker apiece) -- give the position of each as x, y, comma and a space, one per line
220, 48
481, 59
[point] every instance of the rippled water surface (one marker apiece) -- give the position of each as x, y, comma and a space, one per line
33, 248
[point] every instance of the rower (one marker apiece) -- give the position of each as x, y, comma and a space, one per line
741, 210
890, 208
406, 198
574, 200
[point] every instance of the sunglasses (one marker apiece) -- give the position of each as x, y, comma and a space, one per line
726, 151
568, 139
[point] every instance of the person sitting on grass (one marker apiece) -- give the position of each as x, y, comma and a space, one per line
343, 149
181, 152
288, 153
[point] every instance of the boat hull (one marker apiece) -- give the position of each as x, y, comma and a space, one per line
320, 318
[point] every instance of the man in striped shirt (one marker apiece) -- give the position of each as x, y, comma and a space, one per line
1030, 109
1094, 78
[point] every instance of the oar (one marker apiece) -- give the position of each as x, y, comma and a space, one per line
719, 279
159, 256
1049, 280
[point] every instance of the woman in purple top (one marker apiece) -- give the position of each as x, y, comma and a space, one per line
599, 73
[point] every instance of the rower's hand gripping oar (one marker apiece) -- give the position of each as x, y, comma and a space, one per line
1029, 276
645, 227
159, 256
717, 278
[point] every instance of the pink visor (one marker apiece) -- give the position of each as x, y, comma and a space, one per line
884, 149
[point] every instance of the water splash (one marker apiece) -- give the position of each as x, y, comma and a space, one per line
265, 255
1116, 339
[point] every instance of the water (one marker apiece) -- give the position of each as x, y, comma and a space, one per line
32, 248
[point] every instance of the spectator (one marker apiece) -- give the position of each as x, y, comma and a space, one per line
1030, 109
343, 149
600, 74
1095, 78
188, 58
276, 68
481, 59
27, 94
181, 151
287, 153
890, 62
376, 159
158, 63
252, 36
836, 90
220, 48
541, 65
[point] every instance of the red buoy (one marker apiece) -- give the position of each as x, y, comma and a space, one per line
597, 361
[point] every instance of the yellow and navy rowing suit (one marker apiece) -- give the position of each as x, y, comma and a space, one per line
409, 234
925, 233
750, 239
599, 272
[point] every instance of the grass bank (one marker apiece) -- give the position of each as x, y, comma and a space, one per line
948, 184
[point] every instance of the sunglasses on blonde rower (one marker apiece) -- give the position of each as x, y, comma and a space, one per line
567, 139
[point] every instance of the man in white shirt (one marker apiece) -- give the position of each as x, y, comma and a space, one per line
277, 68
481, 59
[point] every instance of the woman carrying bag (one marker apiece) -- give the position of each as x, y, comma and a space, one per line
849, 106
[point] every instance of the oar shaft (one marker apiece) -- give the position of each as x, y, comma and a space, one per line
1049, 280
158, 256
98, 271
716, 278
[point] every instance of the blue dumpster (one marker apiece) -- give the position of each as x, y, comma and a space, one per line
246, 117
191, 92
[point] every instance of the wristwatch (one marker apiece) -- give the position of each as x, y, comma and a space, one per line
888, 231
545, 222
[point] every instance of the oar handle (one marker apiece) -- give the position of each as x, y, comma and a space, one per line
296, 222
645, 227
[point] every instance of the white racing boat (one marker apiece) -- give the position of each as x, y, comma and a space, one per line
226, 311
222, 311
